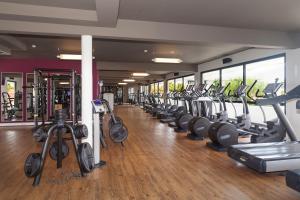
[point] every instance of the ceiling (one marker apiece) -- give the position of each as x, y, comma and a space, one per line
116, 59
194, 30
119, 50
280, 15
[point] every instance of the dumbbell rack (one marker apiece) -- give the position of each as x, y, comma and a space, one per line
60, 124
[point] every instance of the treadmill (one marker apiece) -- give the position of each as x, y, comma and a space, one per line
293, 176
271, 157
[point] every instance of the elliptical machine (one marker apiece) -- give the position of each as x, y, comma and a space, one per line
199, 126
274, 131
174, 111
169, 110
159, 106
223, 135
182, 121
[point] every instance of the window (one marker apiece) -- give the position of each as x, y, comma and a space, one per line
131, 93
179, 84
188, 80
234, 76
171, 85
212, 77
274, 68
146, 89
152, 89
161, 87
264, 71
161, 90
141, 89
155, 88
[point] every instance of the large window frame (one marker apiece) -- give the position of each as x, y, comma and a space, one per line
174, 82
244, 68
244, 64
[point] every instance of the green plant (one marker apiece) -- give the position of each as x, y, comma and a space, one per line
171, 86
179, 87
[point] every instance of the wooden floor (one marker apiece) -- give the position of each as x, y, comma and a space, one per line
156, 163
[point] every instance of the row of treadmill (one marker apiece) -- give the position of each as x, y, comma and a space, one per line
201, 112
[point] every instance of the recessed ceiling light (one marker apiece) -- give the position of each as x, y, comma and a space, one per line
140, 74
129, 80
122, 83
33, 46
167, 60
146, 50
70, 56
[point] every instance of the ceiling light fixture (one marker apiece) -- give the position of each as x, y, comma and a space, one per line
129, 80
167, 60
70, 56
64, 83
146, 51
140, 74
122, 83
33, 46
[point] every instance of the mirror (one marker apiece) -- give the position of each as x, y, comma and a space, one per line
11, 97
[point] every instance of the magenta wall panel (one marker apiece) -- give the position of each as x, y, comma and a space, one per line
28, 65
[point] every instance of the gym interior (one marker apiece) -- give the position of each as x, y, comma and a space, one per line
132, 99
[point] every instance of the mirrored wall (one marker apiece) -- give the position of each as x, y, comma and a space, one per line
11, 97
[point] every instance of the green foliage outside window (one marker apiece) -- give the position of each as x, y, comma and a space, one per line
235, 83
152, 89
171, 86
179, 87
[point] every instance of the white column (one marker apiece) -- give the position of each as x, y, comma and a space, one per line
87, 84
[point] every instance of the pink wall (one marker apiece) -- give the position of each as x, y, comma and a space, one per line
28, 65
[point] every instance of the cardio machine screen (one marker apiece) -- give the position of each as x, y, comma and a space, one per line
97, 102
